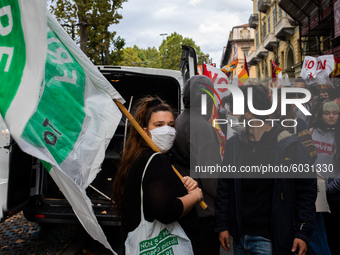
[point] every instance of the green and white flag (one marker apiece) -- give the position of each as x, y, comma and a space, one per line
56, 104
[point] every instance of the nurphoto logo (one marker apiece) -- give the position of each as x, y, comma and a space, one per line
239, 102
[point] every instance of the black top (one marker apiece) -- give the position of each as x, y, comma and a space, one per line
161, 189
256, 194
293, 199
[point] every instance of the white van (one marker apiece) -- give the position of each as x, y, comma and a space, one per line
26, 185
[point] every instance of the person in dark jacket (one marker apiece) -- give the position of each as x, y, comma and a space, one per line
165, 197
265, 215
326, 135
197, 141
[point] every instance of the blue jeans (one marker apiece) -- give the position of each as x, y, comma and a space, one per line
253, 245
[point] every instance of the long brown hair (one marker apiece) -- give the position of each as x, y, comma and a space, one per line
135, 144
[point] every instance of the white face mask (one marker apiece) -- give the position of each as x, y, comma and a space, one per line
235, 124
163, 137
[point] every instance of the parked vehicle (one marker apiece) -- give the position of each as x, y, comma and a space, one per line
26, 185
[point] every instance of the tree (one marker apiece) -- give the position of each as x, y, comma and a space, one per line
90, 20
130, 58
140, 53
148, 56
152, 57
116, 55
172, 46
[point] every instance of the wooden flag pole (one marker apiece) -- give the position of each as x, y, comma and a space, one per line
147, 139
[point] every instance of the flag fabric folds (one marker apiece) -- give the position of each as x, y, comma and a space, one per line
280, 81
275, 70
218, 78
246, 65
317, 70
243, 76
276, 75
336, 70
56, 104
221, 136
228, 68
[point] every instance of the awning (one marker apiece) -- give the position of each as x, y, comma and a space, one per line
307, 14
300, 10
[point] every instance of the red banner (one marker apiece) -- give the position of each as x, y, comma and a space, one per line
221, 137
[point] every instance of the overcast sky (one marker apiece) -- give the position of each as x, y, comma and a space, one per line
208, 23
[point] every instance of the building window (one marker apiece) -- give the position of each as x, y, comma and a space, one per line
280, 13
268, 23
257, 38
274, 16
245, 33
264, 29
255, 7
245, 53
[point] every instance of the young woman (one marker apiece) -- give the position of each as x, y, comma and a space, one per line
166, 198
326, 136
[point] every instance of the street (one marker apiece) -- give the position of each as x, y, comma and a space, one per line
19, 236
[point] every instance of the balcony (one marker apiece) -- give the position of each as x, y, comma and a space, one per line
269, 42
253, 20
261, 52
252, 59
283, 28
263, 5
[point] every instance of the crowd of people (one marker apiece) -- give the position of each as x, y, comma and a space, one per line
277, 215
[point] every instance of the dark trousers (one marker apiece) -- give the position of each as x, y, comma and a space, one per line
211, 244
332, 224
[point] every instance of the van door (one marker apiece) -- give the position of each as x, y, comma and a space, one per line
15, 174
188, 64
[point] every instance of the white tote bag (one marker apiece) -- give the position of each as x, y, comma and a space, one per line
156, 238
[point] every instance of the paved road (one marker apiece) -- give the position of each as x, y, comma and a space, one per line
19, 236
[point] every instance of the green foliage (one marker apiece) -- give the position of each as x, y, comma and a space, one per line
151, 57
116, 54
140, 57
91, 20
130, 58
172, 46
140, 53
87, 22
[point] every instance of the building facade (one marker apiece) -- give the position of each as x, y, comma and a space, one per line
277, 38
319, 25
244, 36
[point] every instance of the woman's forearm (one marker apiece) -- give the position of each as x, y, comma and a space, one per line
190, 200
